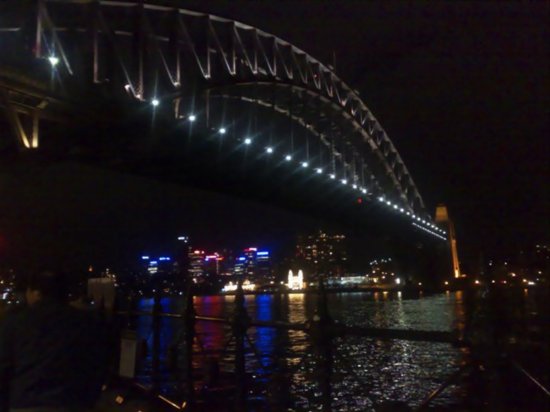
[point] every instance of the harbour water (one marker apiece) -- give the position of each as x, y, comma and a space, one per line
365, 370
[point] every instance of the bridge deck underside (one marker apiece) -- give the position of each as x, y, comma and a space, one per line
93, 56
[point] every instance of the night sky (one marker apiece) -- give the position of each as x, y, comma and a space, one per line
461, 89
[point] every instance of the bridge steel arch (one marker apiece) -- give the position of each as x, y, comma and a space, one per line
153, 51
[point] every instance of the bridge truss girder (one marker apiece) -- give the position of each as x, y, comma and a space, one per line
150, 51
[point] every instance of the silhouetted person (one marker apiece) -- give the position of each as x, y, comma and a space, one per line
52, 356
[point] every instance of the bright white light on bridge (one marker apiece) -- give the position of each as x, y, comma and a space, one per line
397, 281
364, 191
269, 150
388, 203
305, 164
380, 199
319, 170
248, 140
222, 130
333, 176
192, 117
395, 207
155, 102
354, 186
344, 181
402, 210
288, 158
53, 60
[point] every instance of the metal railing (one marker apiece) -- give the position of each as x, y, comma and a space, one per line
321, 331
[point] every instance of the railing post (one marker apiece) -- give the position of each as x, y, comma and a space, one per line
157, 308
321, 331
240, 325
131, 308
189, 330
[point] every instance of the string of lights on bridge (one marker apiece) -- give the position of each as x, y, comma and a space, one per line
417, 221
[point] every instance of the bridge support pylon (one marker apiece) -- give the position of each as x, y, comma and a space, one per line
443, 220
24, 122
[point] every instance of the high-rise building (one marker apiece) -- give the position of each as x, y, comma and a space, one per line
250, 262
240, 267
153, 265
213, 264
254, 265
264, 272
196, 265
323, 254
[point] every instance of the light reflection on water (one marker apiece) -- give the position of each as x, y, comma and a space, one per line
365, 369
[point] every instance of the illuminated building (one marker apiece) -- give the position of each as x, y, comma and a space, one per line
250, 262
347, 281
264, 273
213, 264
383, 272
254, 265
295, 282
162, 264
323, 253
239, 268
196, 265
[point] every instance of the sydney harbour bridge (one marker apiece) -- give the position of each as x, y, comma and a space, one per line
146, 80
160, 90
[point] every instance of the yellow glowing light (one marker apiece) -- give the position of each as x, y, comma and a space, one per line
295, 282
232, 287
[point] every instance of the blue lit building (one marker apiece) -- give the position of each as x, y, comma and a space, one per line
254, 265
